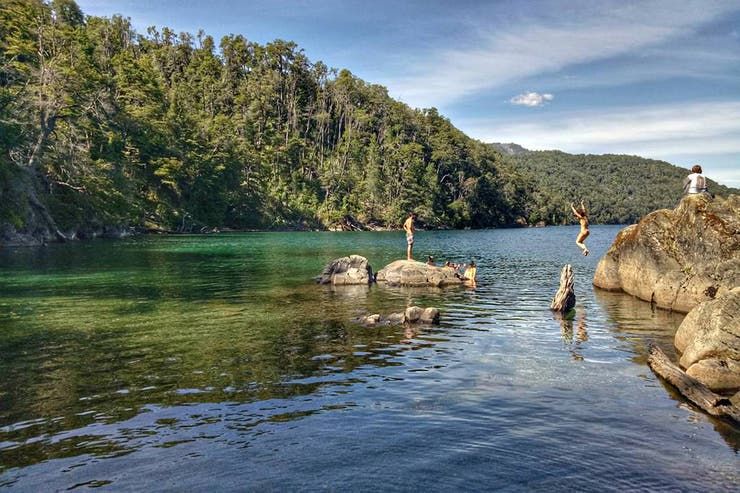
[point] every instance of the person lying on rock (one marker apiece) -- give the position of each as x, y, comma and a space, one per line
582, 216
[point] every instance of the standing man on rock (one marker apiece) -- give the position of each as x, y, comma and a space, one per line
408, 227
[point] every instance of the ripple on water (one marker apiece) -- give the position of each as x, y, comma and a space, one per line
201, 362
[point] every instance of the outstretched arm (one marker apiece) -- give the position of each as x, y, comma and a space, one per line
575, 212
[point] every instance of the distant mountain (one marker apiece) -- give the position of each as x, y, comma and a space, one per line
615, 188
509, 149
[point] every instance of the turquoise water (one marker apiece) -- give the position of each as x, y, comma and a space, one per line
215, 363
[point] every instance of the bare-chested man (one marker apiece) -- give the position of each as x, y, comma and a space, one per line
408, 227
582, 216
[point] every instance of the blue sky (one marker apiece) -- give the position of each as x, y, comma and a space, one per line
659, 79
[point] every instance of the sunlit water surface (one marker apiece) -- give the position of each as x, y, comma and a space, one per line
207, 363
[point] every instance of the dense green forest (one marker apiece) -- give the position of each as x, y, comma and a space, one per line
104, 126
106, 129
616, 188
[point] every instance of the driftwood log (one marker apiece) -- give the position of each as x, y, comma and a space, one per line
691, 388
565, 298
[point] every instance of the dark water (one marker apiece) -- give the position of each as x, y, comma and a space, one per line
214, 363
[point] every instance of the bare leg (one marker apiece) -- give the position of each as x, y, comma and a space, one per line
409, 251
579, 241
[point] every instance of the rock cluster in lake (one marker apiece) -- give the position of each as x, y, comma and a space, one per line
355, 269
688, 260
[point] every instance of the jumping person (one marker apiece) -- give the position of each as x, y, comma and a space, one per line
582, 216
408, 227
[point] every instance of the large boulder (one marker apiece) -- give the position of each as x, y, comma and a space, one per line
709, 340
347, 270
413, 273
677, 258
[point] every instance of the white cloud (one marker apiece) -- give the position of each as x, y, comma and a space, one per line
528, 48
531, 99
712, 127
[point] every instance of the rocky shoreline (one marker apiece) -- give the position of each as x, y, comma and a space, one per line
687, 260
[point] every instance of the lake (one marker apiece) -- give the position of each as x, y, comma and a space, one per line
214, 362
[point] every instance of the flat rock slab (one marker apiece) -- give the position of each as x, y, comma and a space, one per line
413, 273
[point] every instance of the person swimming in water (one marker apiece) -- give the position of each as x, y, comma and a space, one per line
582, 216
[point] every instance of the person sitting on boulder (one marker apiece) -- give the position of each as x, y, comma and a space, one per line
430, 260
470, 272
695, 182
582, 216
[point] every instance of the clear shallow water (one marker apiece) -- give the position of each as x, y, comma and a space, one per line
214, 362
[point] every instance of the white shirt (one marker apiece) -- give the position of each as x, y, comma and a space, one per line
697, 183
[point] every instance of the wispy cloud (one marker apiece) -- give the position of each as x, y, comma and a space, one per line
531, 99
709, 128
548, 45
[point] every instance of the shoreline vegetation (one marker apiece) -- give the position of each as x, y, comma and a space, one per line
104, 130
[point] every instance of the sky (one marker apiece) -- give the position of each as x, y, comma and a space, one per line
654, 78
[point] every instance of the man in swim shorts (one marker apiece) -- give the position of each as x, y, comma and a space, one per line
408, 227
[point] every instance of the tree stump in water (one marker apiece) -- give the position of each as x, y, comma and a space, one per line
565, 298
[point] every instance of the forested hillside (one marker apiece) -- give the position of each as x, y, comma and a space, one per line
101, 126
106, 129
616, 188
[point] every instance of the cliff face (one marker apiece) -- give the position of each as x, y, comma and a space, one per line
677, 258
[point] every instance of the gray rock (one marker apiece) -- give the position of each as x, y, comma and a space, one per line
347, 271
709, 340
413, 314
430, 316
413, 273
677, 258
718, 374
370, 319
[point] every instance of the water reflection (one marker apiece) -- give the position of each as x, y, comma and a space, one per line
638, 323
573, 340
204, 358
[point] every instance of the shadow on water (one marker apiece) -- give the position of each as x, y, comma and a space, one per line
639, 323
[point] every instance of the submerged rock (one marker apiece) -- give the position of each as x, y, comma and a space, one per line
413, 273
347, 270
709, 340
677, 258
412, 315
